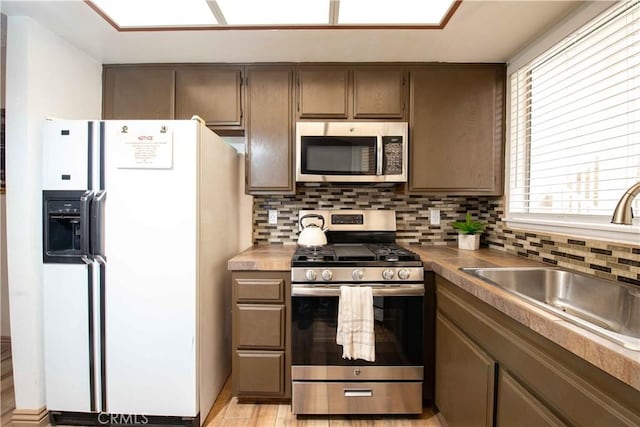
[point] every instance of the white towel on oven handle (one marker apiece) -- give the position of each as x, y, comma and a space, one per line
355, 323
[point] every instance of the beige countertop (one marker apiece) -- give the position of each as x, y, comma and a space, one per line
263, 257
614, 359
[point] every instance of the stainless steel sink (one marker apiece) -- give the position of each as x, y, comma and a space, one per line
609, 309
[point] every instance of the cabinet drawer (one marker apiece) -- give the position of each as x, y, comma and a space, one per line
259, 372
259, 326
259, 290
321, 398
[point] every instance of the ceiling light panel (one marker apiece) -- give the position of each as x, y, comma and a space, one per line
393, 12
275, 12
154, 13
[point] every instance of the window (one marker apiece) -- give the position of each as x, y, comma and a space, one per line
575, 125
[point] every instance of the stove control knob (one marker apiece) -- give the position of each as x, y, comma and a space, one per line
387, 274
357, 274
404, 274
310, 275
327, 275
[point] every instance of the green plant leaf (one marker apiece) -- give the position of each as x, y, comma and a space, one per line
468, 226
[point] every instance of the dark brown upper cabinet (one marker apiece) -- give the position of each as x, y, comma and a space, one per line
323, 92
379, 93
457, 129
351, 93
211, 92
269, 157
138, 92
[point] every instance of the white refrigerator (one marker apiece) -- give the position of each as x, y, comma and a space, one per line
139, 220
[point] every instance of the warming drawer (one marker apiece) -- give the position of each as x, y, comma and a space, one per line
356, 397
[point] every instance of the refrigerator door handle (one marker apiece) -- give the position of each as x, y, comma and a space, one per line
85, 226
97, 226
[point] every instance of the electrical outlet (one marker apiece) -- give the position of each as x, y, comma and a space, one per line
273, 216
434, 216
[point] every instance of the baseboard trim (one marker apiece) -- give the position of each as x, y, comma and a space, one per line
30, 417
441, 419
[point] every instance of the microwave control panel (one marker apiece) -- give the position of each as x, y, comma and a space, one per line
392, 155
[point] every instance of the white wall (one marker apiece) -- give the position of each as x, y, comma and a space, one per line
557, 33
4, 293
4, 290
45, 77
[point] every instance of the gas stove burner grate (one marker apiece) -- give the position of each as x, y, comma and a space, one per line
363, 254
392, 253
315, 254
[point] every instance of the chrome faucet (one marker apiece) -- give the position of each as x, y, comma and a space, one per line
623, 213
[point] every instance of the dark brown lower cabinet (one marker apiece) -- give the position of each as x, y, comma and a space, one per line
261, 329
259, 373
517, 407
464, 378
538, 382
260, 325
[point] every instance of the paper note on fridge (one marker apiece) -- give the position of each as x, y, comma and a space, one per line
146, 151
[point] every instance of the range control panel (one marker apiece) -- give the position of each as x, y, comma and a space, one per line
356, 219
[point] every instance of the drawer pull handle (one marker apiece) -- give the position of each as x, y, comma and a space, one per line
358, 392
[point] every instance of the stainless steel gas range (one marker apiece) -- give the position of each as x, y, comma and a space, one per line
361, 252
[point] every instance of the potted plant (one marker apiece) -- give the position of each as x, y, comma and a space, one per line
468, 233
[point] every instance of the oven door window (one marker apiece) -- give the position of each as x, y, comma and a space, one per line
398, 332
335, 155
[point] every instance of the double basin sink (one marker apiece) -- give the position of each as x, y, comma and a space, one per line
609, 309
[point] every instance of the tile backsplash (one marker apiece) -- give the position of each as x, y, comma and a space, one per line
412, 212
604, 259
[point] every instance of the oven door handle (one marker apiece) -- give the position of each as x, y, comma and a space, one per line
378, 291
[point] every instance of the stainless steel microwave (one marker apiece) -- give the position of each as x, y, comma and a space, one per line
351, 151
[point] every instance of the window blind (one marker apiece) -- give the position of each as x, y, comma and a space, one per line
575, 121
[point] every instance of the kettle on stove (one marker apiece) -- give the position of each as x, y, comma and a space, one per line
312, 235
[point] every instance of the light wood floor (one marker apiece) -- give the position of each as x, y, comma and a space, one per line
227, 412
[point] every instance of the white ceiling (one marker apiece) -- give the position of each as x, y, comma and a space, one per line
480, 31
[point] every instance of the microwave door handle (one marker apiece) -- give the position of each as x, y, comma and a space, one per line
85, 226
379, 153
